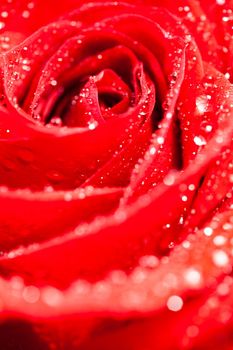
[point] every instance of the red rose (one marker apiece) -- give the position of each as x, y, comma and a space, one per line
116, 174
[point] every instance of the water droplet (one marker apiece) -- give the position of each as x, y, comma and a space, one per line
219, 240
175, 303
199, 140
219, 139
68, 196
52, 296
118, 277
92, 125
223, 289
31, 5
148, 261
55, 176
55, 121
152, 150
191, 187
142, 114
168, 115
17, 283
53, 82
227, 226
26, 68
181, 221
169, 180
184, 198
206, 127
171, 245
81, 287
101, 290
192, 331
4, 14
220, 258
192, 276
160, 140
202, 103
138, 275
26, 14
208, 231
31, 294
120, 215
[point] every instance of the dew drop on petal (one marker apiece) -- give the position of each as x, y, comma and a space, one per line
219, 240
186, 244
52, 296
118, 277
219, 139
160, 140
48, 189
53, 82
220, 258
101, 290
192, 331
81, 287
191, 187
133, 298
55, 176
26, 14
152, 150
227, 226
56, 121
31, 5
68, 196
31, 294
138, 275
4, 14
208, 231
208, 128
17, 283
148, 261
192, 276
202, 103
92, 125
184, 198
223, 289
168, 115
175, 303
169, 180
199, 140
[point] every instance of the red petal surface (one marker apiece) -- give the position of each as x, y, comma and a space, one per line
116, 175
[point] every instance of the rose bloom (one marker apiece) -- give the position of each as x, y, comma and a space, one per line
116, 173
